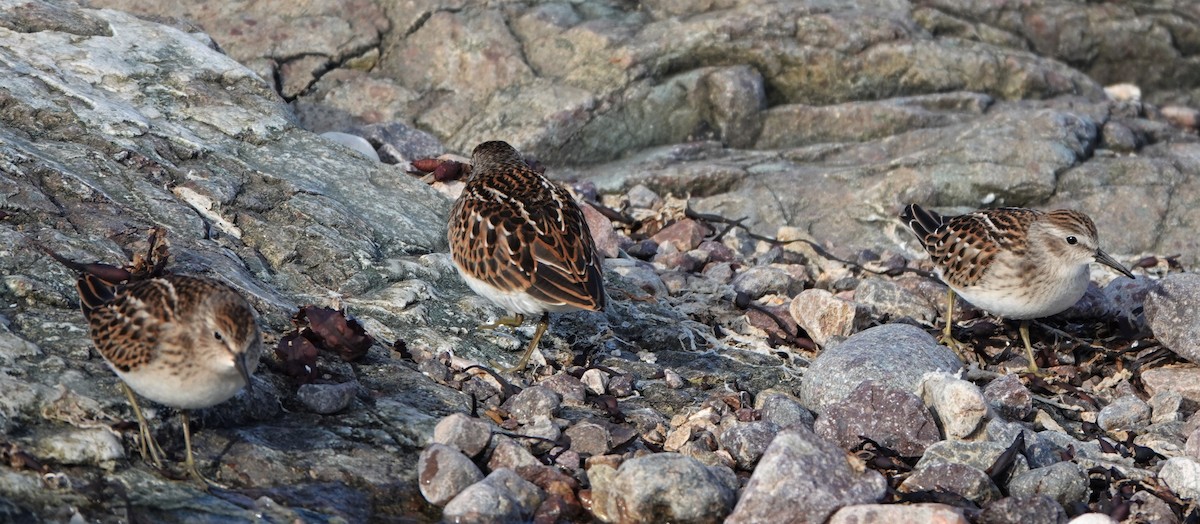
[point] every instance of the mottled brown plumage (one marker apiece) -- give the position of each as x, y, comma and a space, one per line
1013, 262
520, 240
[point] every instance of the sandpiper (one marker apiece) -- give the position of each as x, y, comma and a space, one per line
520, 241
184, 342
1016, 263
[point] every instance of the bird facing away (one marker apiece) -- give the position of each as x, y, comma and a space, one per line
520, 241
1016, 263
184, 342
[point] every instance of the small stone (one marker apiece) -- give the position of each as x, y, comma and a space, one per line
1182, 116
571, 389
979, 455
1150, 509
603, 235
1038, 509
663, 487
1171, 313
569, 460
1127, 413
1182, 475
1182, 380
1192, 447
434, 369
763, 280
804, 478
783, 410
717, 252
532, 403
958, 404
684, 235
673, 380
470, 435
823, 316
1165, 407
589, 438
1009, 397
326, 399
595, 381
1065, 482
355, 143
443, 472
747, 441
960, 479
80, 446
891, 300
507, 453
502, 497
894, 418
1093, 518
622, 385
545, 431
643, 249
643, 197
898, 514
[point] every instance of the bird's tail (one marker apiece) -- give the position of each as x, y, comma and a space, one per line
97, 282
922, 221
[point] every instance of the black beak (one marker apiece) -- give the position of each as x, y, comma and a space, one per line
1103, 258
244, 371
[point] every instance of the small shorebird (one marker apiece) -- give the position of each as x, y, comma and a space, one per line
1017, 263
520, 241
184, 342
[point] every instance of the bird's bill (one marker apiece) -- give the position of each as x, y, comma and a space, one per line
244, 370
1103, 258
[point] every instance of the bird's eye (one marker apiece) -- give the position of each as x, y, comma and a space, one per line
217, 335
1072, 240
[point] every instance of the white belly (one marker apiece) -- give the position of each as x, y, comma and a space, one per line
515, 302
1048, 294
183, 391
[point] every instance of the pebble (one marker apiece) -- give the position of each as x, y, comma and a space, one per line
763, 280
823, 316
501, 497
1093, 518
1192, 447
783, 410
1037, 509
673, 380
356, 143
589, 438
604, 237
570, 389
895, 355
1009, 397
894, 418
891, 300
470, 435
443, 472
963, 480
80, 446
684, 235
1127, 413
643, 197
622, 385
747, 442
1171, 314
979, 455
1065, 482
1182, 380
534, 402
326, 399
1165, 407
507, 453
899, 514
595, 381
804, 478
663, 487
958, 404
1182, 475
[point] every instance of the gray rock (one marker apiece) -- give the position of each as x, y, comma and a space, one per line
1038, 509
893, 301
589, 438
804, 478
1127, 413
1009, 397
1039, 451
958, 404
356, 143
501, 497
622, 385
823, 315
746, 442
507, 453
571, 389
783, 410
1182, 380
899, 514
327, 398
1182, 476
1065, 482
1165, 407
398, 143
762, 280
470, 435
1192, 447
595, 381
1127, 298
641, 196
895, 355
979, 455
960, 479
533, 403
665, 486
444, 472
1151, 509
894, 418
1170, 311
80, 446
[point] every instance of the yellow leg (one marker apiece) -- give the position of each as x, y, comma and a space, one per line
514, 321
948, 339
151, 451
1033, 367
190, 462
533, 344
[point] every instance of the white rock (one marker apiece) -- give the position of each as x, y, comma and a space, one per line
958, 404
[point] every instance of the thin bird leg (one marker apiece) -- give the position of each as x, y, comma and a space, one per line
190, 462
948, 339
151, 451
1033, 367
514, 321
533, 344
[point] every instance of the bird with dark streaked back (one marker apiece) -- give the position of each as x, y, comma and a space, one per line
1017, 263
520, 241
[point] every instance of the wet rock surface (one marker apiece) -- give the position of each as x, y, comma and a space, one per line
741, 163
